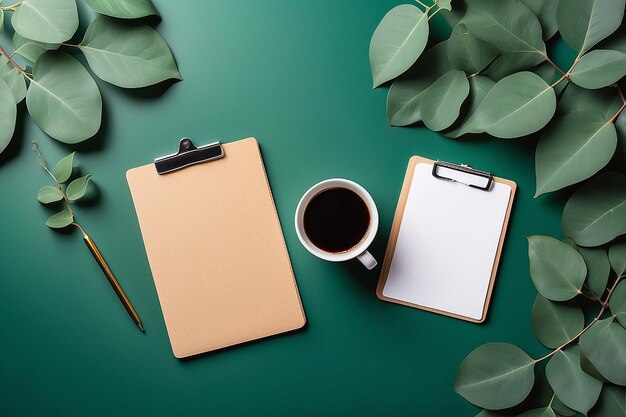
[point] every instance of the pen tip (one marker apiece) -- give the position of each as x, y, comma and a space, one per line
141, 327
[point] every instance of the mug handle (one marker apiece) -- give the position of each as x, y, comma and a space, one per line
368, 260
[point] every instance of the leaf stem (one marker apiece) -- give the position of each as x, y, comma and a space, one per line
433, 15
10, 58
423, 5
43, 164
553, 64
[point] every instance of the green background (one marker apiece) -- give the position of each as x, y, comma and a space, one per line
295, 75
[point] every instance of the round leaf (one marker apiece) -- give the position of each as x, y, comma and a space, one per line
49, 194
612, 403
545, 10
63, 171
13, 78
407, 91
63, 99
598, 268
30, 49
561, 409
617, 303
467, 52
8, 115
129, 56
539, 412
397, 42
445, 4
573, 148
604, 344
124, 9
588, 367
556, 323
77, 188
596, 213
495, 376
617, 257
442, 101
575, 98
575, 388
599, 68
517, 105
479, 87
60, 220
52, 21
584, 23
557, 270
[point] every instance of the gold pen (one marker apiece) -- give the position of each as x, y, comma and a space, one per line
109, 274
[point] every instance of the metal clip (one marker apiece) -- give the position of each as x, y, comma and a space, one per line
188, 155
484, 183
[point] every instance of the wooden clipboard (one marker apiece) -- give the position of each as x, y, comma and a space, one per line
423, 254
215, 247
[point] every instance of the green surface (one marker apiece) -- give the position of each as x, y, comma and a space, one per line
296, 76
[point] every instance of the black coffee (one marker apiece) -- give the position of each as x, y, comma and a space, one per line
336, 220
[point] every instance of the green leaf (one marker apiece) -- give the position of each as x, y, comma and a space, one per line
479, 87
8, 115
612, 403
556, 323
77, 188
545, 10
596, 213
539, 412
546, 71
63, 171
588, 367
604, 344
407, 91
60, 220
509, 63
584, 23
129, 56
495, 376
445, 4
573, 148
397, 42
507, 24
598, 268
63, 99
575, 98
13, 78
124, 9
49, 194
517, 105
617, 302
467, 52
617, 257
1, 21
51, 21
575, 388
599, 68
442, 101
557, 270
561, 409
31, 50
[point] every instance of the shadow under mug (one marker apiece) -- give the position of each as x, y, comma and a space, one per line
359, 251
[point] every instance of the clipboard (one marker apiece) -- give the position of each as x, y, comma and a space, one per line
215, 246
446, 239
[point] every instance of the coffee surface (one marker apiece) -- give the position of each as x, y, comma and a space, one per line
336, 220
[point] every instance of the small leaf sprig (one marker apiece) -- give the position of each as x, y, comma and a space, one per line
73, 191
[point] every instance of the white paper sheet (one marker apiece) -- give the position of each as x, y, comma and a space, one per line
447, 244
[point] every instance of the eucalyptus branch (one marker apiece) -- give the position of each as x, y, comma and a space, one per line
44, 165
10, 58
565, 74
424, 5
604, 303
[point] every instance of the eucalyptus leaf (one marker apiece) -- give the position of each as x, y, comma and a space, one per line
13, 78
557, 270
545, 10
407, 91
561, 409
617, 257
517, 105
617, 302
556, 323
467, 52
442, 101
539, 412
51, 21
575, 98
508, 63
129, 56
598, 269
588, 367
604, 344
63, 99
612, 403
31, 50
573, 148
445, 4
397, 42
60, 220
546, 71
584, 23
479, 87
599, 68
575, 388
124, 9
495, 376
63, 170
8, 114
596, 213
49, 194
77, 188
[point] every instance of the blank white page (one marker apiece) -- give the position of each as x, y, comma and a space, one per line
447, 244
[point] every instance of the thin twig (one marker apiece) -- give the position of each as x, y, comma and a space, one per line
554, 65
10, 58
44, 165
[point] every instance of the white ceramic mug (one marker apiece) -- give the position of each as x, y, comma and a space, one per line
359, 250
